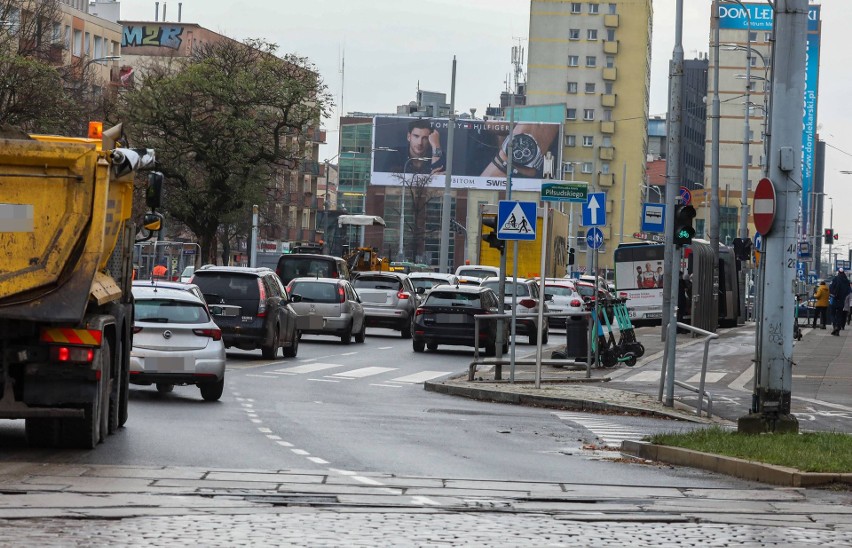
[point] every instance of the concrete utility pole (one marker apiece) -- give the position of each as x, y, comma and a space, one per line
673, 171
714, 171
773, 386
446, 206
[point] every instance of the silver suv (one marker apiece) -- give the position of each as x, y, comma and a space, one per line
328, 306
388, 298
528, 303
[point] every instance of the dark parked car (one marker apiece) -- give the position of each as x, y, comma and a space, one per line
447, 317
265, 319
389, 300
311, 265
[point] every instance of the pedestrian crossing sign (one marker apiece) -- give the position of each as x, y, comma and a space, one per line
516, 220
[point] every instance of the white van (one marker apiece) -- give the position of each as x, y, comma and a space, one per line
480, 271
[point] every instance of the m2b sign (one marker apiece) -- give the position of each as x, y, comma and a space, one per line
413, 151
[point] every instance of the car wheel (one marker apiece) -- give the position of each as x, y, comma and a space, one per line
491, 349
545, 336
212, 391
533, 335
361, 335
432, 346
406, 331
164, 388
269, 352
346, 338
419, 346
505, 348
293, 349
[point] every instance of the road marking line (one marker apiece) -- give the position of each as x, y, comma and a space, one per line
252, 416
247, 404
260, 376
348, 354
238, 399
322, 380
284, 444
425, 501
308, 368
301, 452
713, 376
423, 376
824, 403
308, 359
739, 383
385, 348
362, 372
388, 385
257, 421
644, 376
264, 430
367, 481
317, 460
273, 437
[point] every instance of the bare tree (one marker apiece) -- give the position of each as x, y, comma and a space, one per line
419, 196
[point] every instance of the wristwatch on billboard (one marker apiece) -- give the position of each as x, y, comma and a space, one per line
525, 153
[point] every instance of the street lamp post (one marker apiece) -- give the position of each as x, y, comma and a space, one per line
401, 252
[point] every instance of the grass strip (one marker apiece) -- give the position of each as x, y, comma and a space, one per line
827, 452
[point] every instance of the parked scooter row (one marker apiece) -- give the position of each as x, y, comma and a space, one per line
612, 313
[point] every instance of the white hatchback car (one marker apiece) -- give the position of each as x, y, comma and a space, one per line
562, 296
175, 341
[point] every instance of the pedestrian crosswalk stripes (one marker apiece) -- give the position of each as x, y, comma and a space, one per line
610, 433
422, 376
709, 377
307, 368
362, 372
354, 374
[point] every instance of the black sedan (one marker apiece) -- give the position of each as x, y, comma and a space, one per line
447, 317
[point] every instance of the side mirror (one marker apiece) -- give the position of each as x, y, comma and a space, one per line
154, 191
152, 222
420, 290
295, 298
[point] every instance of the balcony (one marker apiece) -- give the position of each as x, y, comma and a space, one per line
606, 179
611, 21
309, 167
610, 47
609, 74
606, 153
607, 127
608, 100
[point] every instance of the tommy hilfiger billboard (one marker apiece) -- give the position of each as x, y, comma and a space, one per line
760, 18
405, 147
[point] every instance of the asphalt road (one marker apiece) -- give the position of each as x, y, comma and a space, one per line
362, 407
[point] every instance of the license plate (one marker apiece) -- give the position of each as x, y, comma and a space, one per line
315, 322
170, 364
451, 318
654, 315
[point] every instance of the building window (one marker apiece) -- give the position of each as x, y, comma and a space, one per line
590, 87
767, 36
56, 37
568, 167
606, 141
88, 43
752, 36
592, 34
610, 35
571, 114
587, 167
605, 168
613, 9
610, 61
570, 140
593, 8
591, 61
752, 60
573, 34
99, 47
78, 43
588, 141
607, 115
576, 7
67, 37
608, 88
572, 87
588, 114
573, 60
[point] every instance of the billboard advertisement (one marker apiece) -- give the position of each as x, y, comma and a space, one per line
759, 17
404, 147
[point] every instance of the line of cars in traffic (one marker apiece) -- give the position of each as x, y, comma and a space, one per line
182, 330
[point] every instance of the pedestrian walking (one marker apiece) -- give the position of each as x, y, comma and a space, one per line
160, 270
838, 291
820, 304
847, 304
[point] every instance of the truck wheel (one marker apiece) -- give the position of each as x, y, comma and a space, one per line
87, 432
212, 391
42, 432
115, 391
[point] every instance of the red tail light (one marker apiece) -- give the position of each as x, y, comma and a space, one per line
341, 293
215, 334
402, 295
527, 303
261, 306
71, 354
419, 312
575, 302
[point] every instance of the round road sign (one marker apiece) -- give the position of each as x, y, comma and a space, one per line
685, 196
763, 206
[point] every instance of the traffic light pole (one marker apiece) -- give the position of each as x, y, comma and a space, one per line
773, 389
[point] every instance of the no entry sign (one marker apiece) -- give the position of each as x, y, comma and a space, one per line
763, 207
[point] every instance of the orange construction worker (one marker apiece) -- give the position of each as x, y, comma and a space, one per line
160, 271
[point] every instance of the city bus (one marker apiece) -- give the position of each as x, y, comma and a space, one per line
639, 271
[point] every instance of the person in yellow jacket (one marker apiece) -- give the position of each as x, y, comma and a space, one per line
821, 304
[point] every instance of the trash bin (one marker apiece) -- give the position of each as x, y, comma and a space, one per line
577, 337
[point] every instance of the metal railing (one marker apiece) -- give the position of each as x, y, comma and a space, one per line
708, 338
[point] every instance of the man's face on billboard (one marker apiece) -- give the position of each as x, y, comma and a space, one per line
418, 142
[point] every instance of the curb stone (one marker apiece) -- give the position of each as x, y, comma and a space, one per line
732, 466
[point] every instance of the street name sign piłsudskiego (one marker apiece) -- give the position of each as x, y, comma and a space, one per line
564, 192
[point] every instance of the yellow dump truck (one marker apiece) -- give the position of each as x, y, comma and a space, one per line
66, 312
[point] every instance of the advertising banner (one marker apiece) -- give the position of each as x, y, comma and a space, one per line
734, 16
406, 147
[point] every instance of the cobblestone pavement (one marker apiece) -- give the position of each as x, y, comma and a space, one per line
318, 529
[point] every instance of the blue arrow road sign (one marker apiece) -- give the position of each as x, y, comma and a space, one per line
653, 217
516, 220
758, 242
594, 238
594, 210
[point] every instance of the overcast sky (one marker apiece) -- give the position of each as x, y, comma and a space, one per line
391, 46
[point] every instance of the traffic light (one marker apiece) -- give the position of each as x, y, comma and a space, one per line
742, 249
491, 237
154, 190
571, 256
829, 235
683, 230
